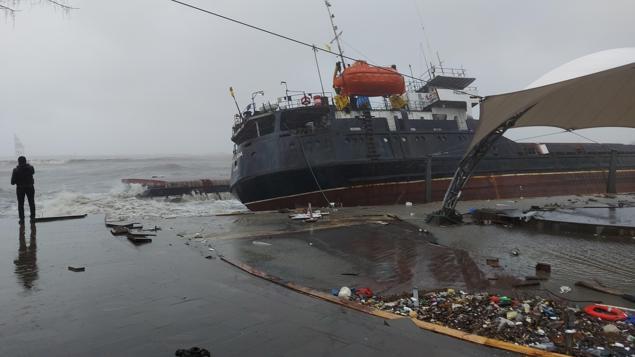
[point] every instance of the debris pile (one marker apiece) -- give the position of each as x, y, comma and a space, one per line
134, 231
537, 322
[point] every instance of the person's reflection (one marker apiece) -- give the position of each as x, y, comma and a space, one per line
26, 264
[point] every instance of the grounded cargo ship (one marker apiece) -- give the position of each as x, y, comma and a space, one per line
350, 150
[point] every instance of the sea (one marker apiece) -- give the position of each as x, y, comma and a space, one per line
92, 185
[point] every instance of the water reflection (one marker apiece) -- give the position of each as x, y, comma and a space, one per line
26, 264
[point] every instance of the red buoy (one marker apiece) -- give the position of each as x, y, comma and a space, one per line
605, 313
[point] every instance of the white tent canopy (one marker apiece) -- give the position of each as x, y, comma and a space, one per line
602, 99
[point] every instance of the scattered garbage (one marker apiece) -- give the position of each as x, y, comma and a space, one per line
408, 204
364, 292
193, 352
564, 289
76, 269
610, 329
345, 292
541, 323
309, 215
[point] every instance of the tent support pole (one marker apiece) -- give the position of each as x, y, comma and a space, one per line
612, 178
448, 213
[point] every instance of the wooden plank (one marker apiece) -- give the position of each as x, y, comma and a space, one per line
125, 225
59, 218
139, 240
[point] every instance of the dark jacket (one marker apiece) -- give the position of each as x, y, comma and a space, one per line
23, 175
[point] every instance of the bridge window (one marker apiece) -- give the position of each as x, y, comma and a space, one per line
304, 119
266, 125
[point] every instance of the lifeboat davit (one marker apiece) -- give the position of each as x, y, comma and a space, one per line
370, 81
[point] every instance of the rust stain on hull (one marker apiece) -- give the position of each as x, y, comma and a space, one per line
478, 188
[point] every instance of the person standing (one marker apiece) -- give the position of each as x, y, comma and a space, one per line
22, 178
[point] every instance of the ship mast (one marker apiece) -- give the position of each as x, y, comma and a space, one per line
337, 36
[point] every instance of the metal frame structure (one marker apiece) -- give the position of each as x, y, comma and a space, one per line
466, 168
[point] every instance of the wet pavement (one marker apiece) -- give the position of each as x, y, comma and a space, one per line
175, 293
388, 256
395, 257
153, 299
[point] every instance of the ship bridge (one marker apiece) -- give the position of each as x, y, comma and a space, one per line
447, 82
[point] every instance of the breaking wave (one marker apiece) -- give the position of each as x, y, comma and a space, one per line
122, 203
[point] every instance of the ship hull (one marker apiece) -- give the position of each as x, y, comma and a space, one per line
512, 186
384, 159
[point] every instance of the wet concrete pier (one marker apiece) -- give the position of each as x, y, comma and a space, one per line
153, 299
176, 292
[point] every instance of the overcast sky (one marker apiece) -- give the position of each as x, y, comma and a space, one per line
123, 77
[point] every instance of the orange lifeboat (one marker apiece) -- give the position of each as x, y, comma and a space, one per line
370, 81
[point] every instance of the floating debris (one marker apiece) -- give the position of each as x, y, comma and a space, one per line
543, 268
493, 262
76, 269
257, 242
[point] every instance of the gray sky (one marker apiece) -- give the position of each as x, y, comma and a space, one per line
151, 77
